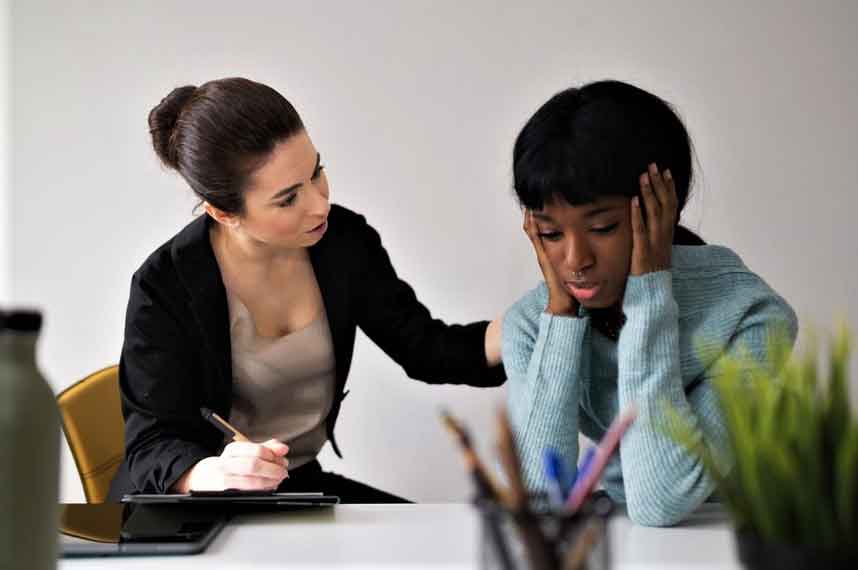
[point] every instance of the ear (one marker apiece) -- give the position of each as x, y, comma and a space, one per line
221, 217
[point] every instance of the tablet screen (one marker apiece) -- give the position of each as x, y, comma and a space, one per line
110, 529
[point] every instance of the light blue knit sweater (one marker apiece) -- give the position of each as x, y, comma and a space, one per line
564, 376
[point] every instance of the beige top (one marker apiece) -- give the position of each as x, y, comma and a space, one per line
283, 388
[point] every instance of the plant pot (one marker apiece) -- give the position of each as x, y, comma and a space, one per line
758, 554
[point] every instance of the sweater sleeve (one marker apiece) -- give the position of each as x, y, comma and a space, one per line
544, 360
662, 482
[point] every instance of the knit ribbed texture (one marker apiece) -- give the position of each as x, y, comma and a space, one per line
564, 376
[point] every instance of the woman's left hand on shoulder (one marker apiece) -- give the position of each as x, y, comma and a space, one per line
653, 237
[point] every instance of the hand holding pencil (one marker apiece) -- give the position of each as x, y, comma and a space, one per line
242, 464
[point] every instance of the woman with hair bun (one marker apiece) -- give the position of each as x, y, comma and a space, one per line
634, 310
251, 309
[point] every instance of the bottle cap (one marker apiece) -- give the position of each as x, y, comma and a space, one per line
21, 320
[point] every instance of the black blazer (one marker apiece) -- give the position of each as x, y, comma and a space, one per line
176, 356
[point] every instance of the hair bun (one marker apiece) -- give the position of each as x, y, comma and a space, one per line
162, 123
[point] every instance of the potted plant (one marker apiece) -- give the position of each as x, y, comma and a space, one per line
790, 480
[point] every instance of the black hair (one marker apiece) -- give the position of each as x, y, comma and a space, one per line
596, 140
217, 134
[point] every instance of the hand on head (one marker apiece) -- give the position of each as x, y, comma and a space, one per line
653, 237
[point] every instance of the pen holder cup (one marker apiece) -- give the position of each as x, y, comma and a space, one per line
544, 538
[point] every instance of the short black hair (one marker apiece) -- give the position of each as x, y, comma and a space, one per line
596, 140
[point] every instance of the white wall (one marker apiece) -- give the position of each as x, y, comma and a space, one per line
5, 128
415, 107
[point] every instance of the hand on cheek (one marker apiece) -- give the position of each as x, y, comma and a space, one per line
653, 238
560, 301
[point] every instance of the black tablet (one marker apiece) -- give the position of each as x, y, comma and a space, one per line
112, 529
236, 498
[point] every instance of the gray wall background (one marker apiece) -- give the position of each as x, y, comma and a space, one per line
5, 134
414, 107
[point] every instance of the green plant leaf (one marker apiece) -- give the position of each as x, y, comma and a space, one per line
847, 485
792, 441
838, 412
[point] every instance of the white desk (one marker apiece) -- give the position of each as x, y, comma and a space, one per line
418, 537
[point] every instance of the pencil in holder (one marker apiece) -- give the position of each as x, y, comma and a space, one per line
542, 538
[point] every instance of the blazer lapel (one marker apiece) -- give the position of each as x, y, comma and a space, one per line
198, 270
323, 257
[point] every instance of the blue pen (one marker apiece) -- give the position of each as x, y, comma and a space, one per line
558, 478
584, 467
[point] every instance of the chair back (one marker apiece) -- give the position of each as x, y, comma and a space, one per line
95, 429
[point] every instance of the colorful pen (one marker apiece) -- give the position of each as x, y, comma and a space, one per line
557, 476
610, 442
584, 467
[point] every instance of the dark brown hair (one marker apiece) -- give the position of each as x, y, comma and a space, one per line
217, 134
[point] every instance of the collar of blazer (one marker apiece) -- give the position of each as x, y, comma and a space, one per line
199, 274
198, 271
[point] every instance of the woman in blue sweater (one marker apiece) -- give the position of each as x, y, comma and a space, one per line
634, 309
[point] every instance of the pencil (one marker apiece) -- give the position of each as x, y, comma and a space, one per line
486, 487
537, 546
486, 484
576, 556
510, 461
223, 425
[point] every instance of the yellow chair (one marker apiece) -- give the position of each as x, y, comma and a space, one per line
95, 429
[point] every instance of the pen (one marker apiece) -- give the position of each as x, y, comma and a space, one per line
486, 487
510, 462
536, 545
603, 453
576, 555
223, 425
584, 468
558, 480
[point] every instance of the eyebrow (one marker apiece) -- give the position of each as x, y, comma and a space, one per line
591, 214
294, 187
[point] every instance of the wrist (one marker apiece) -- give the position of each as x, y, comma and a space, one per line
647, 292
183, 485
199, 477
493, 342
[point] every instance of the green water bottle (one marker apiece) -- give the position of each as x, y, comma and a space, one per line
29, 449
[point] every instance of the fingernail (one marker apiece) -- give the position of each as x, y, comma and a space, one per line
653, 167
635, 202
667, 175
